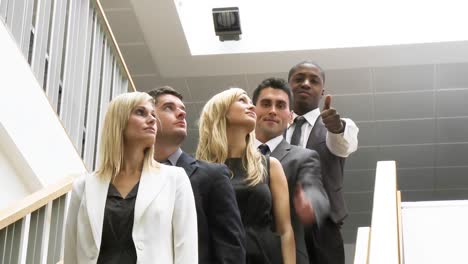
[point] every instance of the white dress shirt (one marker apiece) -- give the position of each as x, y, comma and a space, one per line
272, 143
341, 145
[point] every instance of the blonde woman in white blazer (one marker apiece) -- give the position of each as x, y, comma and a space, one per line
129, 185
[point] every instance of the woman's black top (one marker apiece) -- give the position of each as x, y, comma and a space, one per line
263, 245
117, 243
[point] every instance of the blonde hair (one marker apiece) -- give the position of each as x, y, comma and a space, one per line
111, 149
212, 143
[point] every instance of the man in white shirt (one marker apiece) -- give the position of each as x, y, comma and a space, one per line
334, 138
309, 201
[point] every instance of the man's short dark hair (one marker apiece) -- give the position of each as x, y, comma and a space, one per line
294, 68
275, 83
163, 90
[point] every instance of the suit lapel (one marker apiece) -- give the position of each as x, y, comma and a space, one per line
96, 196
188, 163
281, 150
152, 182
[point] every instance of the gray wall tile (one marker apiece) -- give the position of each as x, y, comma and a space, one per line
359, 180
356, 107
203, 88
403, 78
409, 156
413, 196
367, 134
145, 83
460, 194
452, 154
193, 114
359, 202
357, 219
363, 158
416, 179
348, 81
452, 103
405, 132
349, 237
191, 142
453, 75
452, 130
451, 178
404, 105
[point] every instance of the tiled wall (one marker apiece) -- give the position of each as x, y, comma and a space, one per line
417, 115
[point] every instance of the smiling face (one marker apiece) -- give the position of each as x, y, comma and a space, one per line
141, 125
307, 86
273, 114
242, 113
171, 114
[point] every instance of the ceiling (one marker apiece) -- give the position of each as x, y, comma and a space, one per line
409, 101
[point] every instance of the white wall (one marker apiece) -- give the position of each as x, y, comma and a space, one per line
435, 232
8, 173
31, 127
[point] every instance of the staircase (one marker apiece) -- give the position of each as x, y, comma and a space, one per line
60, 67
426, 232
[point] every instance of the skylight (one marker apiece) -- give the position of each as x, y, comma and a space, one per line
273, 26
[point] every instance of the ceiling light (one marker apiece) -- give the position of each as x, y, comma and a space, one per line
227, 23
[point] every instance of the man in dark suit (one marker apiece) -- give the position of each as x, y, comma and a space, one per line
221, 236
334, 138
309, 201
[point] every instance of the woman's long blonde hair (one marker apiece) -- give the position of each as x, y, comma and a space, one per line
111, 148
213, 143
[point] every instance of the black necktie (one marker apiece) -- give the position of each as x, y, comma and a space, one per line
264, 149
296, 136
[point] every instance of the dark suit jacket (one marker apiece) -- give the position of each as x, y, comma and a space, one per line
302, 166
332, 171
325, 242
221, 235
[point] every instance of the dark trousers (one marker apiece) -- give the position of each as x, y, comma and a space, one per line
325, 245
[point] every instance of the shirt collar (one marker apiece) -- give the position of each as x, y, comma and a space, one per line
272, 143
312, 116
174, 157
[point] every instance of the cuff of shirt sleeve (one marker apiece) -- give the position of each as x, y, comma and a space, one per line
342, 144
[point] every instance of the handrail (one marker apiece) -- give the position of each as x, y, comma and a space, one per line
384, 245
361, 254
34, 201
108, 30
400, 228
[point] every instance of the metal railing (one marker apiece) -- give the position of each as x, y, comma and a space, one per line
74, 56
32, 229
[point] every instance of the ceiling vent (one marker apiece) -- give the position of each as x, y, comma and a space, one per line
227, 23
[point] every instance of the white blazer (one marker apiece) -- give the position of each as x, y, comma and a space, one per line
165, 220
